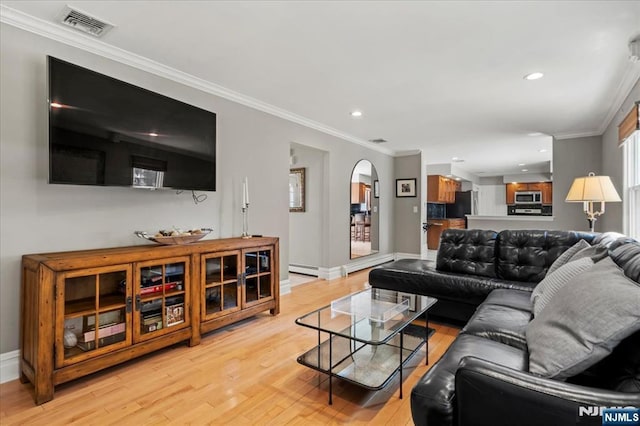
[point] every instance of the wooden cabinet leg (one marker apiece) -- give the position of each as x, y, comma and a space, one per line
43, 391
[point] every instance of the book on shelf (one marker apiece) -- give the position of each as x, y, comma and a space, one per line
104, 331
175, 314
103, 341
151, 322
176, 285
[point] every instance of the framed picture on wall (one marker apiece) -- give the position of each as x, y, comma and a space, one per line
376, 189
406, 187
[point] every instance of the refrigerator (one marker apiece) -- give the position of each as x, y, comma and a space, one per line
466, 203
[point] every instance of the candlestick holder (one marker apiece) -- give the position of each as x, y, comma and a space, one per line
245, 221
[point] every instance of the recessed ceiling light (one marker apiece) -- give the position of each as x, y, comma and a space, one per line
534, 134
454, 158
448, 175
153, 134
521, 164
356, 113
514, 182
542, 150
534, 76
458, 179
525, 170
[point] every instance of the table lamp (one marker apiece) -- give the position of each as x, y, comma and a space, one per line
591, 189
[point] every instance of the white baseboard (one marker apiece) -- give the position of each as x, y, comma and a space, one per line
407, 256
9, 366
306, 270
285, 287
357, 265
368, 262
330, 273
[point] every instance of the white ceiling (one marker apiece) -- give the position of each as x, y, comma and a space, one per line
442, 76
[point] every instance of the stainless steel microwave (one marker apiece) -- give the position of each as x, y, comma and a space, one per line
528, 197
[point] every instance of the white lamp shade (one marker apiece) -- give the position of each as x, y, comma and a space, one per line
592, 188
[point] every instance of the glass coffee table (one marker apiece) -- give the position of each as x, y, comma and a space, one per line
370, 336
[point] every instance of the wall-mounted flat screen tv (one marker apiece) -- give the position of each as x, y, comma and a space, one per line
103, 131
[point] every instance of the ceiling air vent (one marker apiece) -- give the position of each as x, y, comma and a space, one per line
378, 140
80, 21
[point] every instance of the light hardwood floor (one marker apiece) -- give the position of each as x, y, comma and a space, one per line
244, 374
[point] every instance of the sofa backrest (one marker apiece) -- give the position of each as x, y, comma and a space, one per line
467, 251
525, 255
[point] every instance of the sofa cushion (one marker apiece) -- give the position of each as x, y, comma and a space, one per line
586, 319
501, 324
467, 252
525, 255
549, 286
517, 299
607, 238
595, 252
619, 371
565, 257
625, 252
432, 398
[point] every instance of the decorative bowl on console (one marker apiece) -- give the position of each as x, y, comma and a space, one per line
175, 236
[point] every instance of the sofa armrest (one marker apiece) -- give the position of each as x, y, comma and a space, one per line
491, 394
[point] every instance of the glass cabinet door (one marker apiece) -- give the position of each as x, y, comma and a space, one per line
221, 278
161, 297
258, 265
95, 306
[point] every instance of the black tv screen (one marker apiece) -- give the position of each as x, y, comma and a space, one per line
103, 131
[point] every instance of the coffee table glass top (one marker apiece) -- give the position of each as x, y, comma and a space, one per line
371, 316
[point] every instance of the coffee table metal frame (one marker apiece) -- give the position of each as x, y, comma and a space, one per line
364, 347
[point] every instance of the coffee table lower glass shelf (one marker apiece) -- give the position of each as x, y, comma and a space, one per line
370, 337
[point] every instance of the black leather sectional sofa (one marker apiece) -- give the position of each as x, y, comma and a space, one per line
472, 263
485, 376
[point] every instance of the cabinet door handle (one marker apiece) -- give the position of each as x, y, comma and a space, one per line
137, 302
129, 303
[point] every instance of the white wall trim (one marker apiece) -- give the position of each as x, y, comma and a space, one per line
9, 366
285, 287
76, 39
630, 78
408, 256
306, 270
577, 135
330, 273
367, 262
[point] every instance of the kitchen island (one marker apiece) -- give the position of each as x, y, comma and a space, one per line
499, 223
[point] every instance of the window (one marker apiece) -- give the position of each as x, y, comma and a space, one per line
632, 186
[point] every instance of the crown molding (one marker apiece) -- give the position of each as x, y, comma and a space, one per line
90, 44
561, 136
630, 78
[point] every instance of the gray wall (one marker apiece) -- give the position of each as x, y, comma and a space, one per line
305, 228
613, 162
38, 217
408, 224
573, 158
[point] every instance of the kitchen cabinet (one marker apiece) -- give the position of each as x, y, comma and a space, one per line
545, 187
436, 227
441, 189
360, 193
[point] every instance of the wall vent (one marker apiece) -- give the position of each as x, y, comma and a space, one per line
81, 21
378, 140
